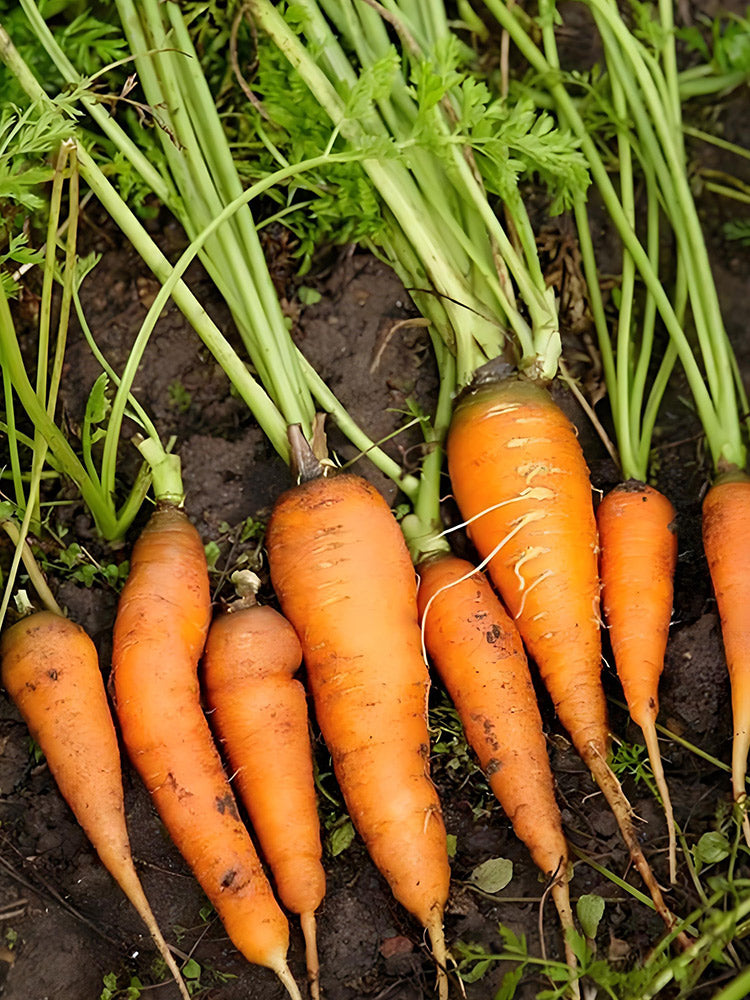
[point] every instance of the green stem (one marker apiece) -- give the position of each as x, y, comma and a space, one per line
724, 441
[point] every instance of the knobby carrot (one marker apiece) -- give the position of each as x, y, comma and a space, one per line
478, 653
51, 671
259, 712
343, 575
160, 630
520, 480
637, 563
726, 541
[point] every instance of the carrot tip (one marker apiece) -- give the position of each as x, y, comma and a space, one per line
310, 934
439, 953
287, 979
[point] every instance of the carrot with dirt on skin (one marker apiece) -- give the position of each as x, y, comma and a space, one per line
344, 578
479, 655
259, 713
50, 669
521, 482
160, 630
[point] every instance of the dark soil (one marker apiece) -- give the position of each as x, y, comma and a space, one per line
64, 925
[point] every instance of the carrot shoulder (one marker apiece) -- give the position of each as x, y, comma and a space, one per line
160, 630
520, 480
51, 671
259, 712
726, 541
637, 564
345, 581
478, 653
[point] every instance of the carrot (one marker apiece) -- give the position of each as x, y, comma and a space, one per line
478, 653
637, 563
343, 575
520, 480
51, 671
160, 629
726, 542
259, 713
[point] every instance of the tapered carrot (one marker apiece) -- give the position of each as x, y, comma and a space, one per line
343, 575
637, 563
259, 712
160, 630
726, 541
51, 671
520, 480
478, 652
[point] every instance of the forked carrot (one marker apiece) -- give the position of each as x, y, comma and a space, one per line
259, 712
520, 480
726, 541
343, 575
160, 630
637, 564
479, 655
50, 669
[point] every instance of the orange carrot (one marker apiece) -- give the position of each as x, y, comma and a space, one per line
726, 541
345, 581
637, 563
259, 713
160, 629
478, 652
520, 479
51, 671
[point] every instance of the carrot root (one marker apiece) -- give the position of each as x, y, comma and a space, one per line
654, 755
439, 953
283, 971
623, 813
310, 934
740, 748
561, 898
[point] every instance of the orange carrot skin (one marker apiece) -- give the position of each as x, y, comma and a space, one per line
637, 563
479, 655
516, 468
726, 541
50, 669
259, 712
160, 629
343, 575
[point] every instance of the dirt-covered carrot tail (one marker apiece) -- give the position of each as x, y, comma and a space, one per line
520, 480
726, 541
637, 561
259, 712
160, 629
478, 653
50, 669
343, 575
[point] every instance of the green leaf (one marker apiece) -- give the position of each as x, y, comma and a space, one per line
711, 848
510, 982
451, 840
590, 910
98, 405
477, 972
340, 838
374, 84
213, 553
492, 875
308, 296
191, 969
